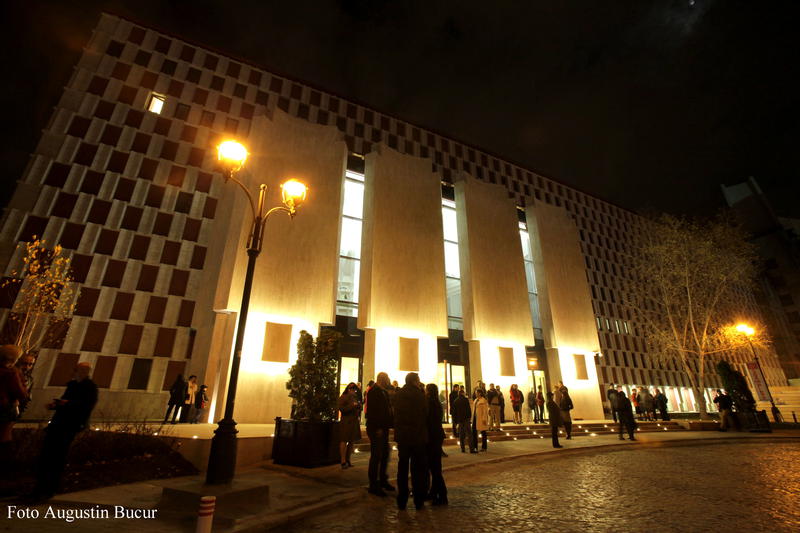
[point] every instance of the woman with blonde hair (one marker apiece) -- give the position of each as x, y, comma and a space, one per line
480, 421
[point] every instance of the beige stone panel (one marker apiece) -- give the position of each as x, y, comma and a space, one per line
494, 292
565, 305
402, 252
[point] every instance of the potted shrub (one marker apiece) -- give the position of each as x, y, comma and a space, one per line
310, 437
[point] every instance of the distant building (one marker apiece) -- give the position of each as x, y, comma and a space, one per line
427, 253
778, 241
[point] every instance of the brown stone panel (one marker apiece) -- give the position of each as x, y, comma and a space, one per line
104, 109
184, 202
64, 205
191, 230
122, 306
117, 162
170, 252
104, 371
162, 224
165, 342
111, 135
141, 142
92, 182
210, 208
147, 278
178, 282
106, 242
155, 310
64, 369
155, 195
162, 126
186, 313
99, 211
80, 265
139, 247
79, 126
147, 171
203, 182
132, 218
198, 257
87, 301
94, 336
57, 175
176, 175
131, 337
115, 270
140, 374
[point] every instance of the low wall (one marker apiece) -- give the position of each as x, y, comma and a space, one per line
249, 450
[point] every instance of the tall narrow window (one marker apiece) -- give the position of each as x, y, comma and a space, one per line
156, 103
530, 279
452, 269
350, 244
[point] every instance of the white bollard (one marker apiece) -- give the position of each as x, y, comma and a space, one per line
205, 515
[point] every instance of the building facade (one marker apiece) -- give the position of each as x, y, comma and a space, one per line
428, 254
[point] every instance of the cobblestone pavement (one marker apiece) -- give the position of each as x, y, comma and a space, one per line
739, 487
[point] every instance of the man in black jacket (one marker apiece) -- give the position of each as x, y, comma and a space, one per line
625, 415
379, 420
453, 397
611, 395
71, 416
411, 434
462, 414
554, 416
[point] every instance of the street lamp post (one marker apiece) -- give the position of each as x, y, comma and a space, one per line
232, 155
749, 332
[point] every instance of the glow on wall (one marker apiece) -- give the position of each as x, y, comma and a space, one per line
387, 354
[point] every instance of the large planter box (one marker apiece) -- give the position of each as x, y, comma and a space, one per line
754, 421
304, 443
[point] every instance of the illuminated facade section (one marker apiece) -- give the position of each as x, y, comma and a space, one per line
452, 270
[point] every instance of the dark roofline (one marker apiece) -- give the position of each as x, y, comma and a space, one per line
312, 85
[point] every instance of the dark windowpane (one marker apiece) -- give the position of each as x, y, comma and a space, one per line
173, 369
198, 257
182, 111
111, 135
155, 310
115, 270
94, 336
80, 265
141, 142
148, 169
191, 230
57, 175
115, 48
85, 154
196, 156
184, 202
64, 369
186, 312
124, 190
155, 195
87, 301
193, 75
99, 211
210, 62
246, 111
64, 205
34, 227
165, 342
104, 110
106, 242
162, 224
162, 126
79, 126
136, 35
162, 45
210, 208
127, 94
176, 176
103, 371
234, 69
134, 118
178, 283
187, 53
203, 182
142, 58
149, 80
117, 162
121, 71
122, 306
168, 150
140, 374
71, 236
170, 252
139, 247
189, 133
147, 278
200, 96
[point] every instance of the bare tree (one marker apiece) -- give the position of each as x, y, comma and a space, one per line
45, 299
686, 288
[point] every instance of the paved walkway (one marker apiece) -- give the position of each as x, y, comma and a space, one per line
296, 493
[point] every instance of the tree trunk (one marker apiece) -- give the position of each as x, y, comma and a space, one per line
700, 398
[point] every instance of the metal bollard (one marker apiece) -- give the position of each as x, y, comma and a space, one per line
205, 514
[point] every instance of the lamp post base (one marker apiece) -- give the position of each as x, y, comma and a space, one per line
222, 459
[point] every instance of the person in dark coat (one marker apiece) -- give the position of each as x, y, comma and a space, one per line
625, 415
661, 404
71, 416
462, 413
533, 415
200, 404
554, 415
611, 395
411, 435
453, 397
501, 401
379, 421
565, 403
349, 428
438, 489
540, 404
177, 395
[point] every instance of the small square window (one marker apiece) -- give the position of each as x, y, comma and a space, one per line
156, 103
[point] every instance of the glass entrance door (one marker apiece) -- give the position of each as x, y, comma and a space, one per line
349, 368
448, 375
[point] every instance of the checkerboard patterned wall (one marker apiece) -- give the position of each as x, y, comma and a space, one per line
131, 195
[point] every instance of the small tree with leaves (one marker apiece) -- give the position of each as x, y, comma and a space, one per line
45, 300
685, 288
312, 383
736, 385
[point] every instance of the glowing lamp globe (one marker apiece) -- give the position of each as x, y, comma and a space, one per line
747, 330
293, 193
231, 155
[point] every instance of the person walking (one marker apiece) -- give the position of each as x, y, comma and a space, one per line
724, 405
540, 404
452, 398
200, 404
565, 404
517, 399
379, 421
480, 421
625, 415
12, 394
411, 435
72, 412
462, 413
554, 416
501, 402
349, 430
438, 489
661, 404
494, 407
177, 395
611, 396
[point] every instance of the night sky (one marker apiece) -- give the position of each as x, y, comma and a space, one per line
650, 105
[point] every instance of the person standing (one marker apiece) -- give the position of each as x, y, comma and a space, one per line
71, 416
611, 396
480, 421
379, 421
177, 395
517, 400
25, 367
200, 404
647, 403
438, 490
461, 416
349, 430
12, 394
635, 403
661, 403
724, 404
532, 413
188, 402
501, 402
411, 435
565, 403
554, 416
540, 404
494, 407
453, 397
625, 415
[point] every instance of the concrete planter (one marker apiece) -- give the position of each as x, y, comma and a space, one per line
305, 443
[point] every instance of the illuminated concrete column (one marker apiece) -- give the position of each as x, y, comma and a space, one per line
402, 287
295, 276
565, 304
493, 287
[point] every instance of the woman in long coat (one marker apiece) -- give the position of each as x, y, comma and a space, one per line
349, 430
438, 490
480, 420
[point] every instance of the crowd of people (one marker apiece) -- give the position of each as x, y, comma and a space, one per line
645, 403
188, 403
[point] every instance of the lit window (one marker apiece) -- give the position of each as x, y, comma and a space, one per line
451, 265
353, 199
350, 244
156, 104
